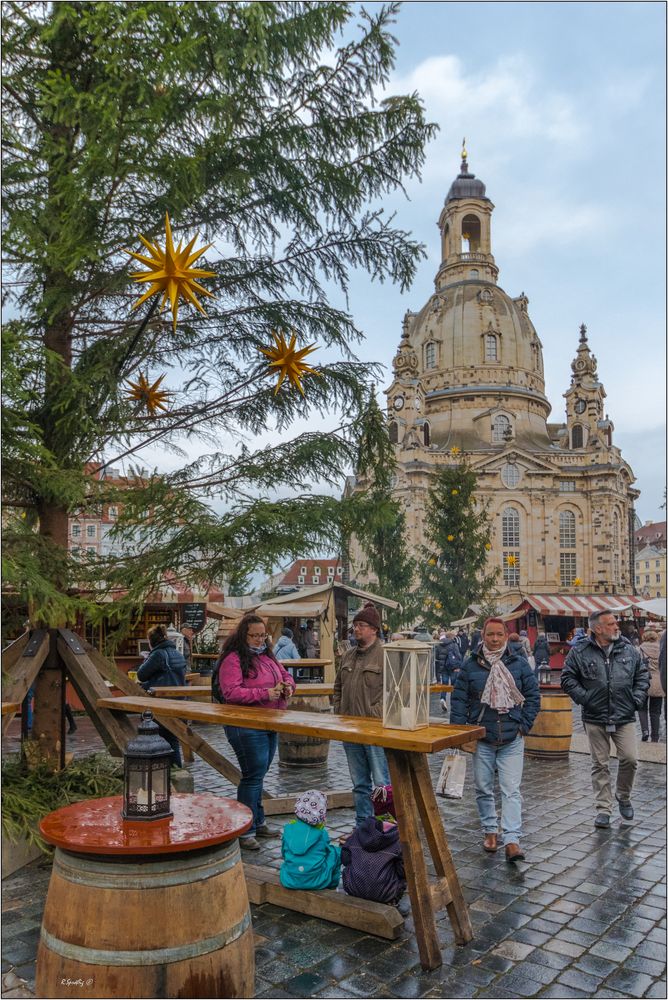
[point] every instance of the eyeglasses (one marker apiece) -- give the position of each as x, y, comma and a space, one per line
257, 635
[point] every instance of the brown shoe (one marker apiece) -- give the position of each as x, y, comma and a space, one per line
514, 853
489, 843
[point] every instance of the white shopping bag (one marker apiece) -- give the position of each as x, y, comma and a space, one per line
450, 784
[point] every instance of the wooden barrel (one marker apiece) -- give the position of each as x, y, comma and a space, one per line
177, 926
550, 735
304, 751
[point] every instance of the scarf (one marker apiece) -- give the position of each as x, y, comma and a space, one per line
500, 691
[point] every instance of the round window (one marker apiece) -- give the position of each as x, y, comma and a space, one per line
510, 475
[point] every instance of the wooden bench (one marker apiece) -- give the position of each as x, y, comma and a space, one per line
414, 798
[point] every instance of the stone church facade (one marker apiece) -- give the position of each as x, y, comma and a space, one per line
468, 382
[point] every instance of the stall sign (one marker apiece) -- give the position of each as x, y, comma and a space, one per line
531, 619
194, 616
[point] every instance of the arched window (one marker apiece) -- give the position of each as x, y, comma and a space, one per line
446, 241
616, 548
426, 435
491, 347
501, 429
474, 275
510, 538
430, 356
567, 544
393, 431
577, 436
470, 233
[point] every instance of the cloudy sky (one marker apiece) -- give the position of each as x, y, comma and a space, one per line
562, 106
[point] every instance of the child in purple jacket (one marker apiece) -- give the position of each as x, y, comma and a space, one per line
373, 866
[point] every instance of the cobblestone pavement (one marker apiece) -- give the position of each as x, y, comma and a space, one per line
585, 916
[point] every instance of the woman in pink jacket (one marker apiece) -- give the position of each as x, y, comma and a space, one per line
249, 674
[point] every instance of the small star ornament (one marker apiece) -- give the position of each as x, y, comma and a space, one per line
511, 560
577, 582
455, 451
151, 395
170, 271
451, 538
288, 361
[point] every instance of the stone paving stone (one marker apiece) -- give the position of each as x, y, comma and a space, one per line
515, 950
331, 991
575, 937
606, 949
552, 959
304, 985
581, 980
651, 949
560, 992
564, 948
651, 966
626, 980
518, 985
657, 989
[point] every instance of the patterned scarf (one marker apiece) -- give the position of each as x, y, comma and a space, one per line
500, 691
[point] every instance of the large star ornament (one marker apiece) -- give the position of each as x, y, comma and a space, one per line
287, 360
170, 271
152, 396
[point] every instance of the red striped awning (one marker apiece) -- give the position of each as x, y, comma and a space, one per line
577, 605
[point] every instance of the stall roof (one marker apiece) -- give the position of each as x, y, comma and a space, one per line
652, 606
577, 605
274, 609
223, 611
327, 588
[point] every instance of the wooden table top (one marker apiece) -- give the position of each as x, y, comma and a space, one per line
347, 728
96, 826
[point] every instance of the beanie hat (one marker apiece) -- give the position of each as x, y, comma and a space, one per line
287, 632
311, 807
369, 615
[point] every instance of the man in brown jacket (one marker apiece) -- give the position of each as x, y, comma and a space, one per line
358, 690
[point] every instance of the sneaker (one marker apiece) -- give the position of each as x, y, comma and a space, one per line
248, 844
267, 832
625, 808
444, 706
645, 737
602, 821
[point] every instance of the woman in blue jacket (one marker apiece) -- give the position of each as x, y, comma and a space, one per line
496, 688
165, 666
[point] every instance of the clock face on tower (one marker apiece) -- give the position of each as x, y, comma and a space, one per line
398, 402
580, 406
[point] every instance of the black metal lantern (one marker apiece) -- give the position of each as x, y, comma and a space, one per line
147, 785
544, 672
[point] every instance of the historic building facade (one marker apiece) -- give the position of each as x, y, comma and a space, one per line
468, 382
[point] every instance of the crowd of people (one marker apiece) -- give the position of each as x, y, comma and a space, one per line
495, 685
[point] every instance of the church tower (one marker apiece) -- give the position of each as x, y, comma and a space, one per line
468, 380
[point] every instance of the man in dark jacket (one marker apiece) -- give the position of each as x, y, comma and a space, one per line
497, 689
606, 675
541, 651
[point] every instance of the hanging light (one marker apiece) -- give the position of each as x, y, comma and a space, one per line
147, 761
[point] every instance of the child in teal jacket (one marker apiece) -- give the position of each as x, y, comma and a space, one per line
310, 860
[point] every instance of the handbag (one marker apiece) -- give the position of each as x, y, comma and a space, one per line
383, 801
450, 784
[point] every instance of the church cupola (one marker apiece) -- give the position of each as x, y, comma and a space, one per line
584, 402
465, 224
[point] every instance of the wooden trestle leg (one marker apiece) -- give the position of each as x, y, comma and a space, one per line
415, 805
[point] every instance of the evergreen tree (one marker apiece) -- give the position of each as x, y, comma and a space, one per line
454, 562
260, 125
381, 532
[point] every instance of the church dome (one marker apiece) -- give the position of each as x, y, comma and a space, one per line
466, 185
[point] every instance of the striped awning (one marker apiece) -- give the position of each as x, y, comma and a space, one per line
577, 605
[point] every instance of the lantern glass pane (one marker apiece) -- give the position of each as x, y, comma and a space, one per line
160, 788
406, 687
137, 785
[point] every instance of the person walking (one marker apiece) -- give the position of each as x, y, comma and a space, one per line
188, 635
358, 690
649, 647
496, 688
248, 673
164, 666
285, 648
463, 640
526, 645
606, 675
541, 651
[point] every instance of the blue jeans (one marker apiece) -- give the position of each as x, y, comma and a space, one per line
508, 759
368, 767
255, 749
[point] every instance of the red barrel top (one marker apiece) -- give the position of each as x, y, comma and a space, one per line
96, 826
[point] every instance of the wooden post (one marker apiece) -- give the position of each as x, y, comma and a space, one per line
48, 726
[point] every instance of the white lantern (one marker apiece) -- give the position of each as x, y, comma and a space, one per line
175, 636
406, 676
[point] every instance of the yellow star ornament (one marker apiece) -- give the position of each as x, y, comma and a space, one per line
451, 538
511, 560
287, 360
152, 396
577, 582
170, 271
455, 450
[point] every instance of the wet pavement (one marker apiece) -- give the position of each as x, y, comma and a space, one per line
584, 916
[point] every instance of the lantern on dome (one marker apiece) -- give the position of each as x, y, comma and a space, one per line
146, 786
406, 676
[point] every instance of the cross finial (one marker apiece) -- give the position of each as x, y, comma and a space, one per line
583, 333
464, 153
